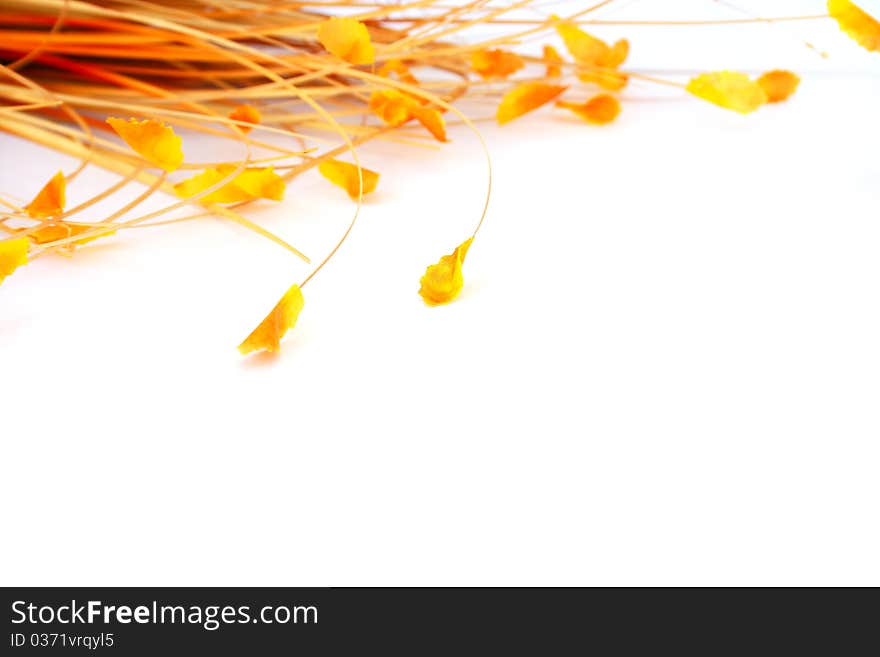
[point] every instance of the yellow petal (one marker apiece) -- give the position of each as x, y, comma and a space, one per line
13, 254
432, 120
250, 184
50, 200
442, 282
600, 109
61, 230
728, 89
345, 175
586, 49
859, 25
525, 98
267, 336
152, 140
246, 114
778, 85
554, 62
348, 39
496, 63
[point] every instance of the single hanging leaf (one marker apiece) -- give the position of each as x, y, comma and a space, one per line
728, 89
345, 175
250, 184
554, 62
348, 39
50, 200
152, 140
246, 114
600, 109
267, 336
860, 26
496, 63
443, 281
524, 98
13, 254
778, 85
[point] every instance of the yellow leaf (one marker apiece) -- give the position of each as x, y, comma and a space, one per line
345, 175
348, 39
50, 200
586, 49
13, 254
859, 25
246, 114
778, 85
250, 184
443, 281
396, 108
152, 140
554, 62
728, 89
267, 336
61, 230
496, 63
600, 109
524, 98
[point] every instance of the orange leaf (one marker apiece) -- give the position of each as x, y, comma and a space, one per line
859, 25
250, 184
152, 140
267, 336
524, 98
600, 109
778, 85
348, 39
554, 62
728, 89
443, 281
345, 175
496, 63
13, 254
246, 114
50, 200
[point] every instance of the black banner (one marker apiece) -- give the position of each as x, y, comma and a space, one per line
274, 621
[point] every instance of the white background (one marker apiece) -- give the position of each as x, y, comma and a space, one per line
664, 368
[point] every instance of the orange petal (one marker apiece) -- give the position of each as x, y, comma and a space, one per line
600, 109
432, 120
778, 85
859, 25
246, 114
50, 200
554, 62
63, 230
728, 89
13, 254
267, 336
348, 39
402, 70
345, 175
152, 140
496, 63
250, 184
525, 98
443, 281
